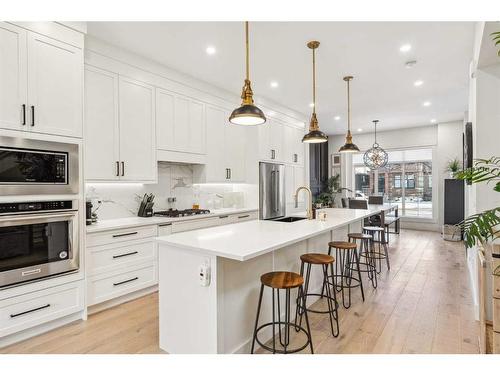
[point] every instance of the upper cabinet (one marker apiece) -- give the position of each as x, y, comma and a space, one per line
180, 123
280, 142
119, 128
42, 82
226, 149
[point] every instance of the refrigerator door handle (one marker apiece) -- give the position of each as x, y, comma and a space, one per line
277, 199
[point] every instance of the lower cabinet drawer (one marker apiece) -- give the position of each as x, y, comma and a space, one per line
107, 258
245, 216
184, 226
120, 235
105, 287
32, 309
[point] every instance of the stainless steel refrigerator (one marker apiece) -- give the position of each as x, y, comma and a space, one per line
272, 203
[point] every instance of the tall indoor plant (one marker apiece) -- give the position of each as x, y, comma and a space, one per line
484, 226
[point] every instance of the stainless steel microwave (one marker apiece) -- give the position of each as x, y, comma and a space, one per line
29, 166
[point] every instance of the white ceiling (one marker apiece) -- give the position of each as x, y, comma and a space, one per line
382, 88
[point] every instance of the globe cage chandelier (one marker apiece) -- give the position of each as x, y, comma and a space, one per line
376, 157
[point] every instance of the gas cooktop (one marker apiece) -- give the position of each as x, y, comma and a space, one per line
180, 213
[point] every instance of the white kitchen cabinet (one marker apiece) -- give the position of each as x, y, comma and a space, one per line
137, 131
42, 83
226, 149
180, 123
271, 140
55, 79
13, 87
102, 143
119, 128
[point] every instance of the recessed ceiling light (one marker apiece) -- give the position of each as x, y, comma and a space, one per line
360, 130
405, 47
311, 105
274, 84
211, 50
418, 83
337, 118
426, 104
433, 120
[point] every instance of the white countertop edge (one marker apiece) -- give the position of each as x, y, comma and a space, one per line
165, 241
131, 222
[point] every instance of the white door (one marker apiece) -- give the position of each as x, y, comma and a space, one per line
216, 166
276, 135
235, 140
196, 127
101, 125
165, 119
137, 143
181, 124
13, 94
55, 79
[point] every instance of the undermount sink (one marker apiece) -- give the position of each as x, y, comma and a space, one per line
290, 219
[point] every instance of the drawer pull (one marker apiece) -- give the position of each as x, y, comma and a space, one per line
126, 281
223, 216
30, 311
244, 216
124, 234
125, 255
164, 225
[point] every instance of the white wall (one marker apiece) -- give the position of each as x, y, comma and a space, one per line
445, 139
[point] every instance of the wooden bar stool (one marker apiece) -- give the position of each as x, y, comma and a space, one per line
365, 252
325, 261
347, 262
286, 281
379, 246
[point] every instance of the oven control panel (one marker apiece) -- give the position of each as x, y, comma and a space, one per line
20, 207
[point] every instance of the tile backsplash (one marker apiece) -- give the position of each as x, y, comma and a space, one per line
174, 180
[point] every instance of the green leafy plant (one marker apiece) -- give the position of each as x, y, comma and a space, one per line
453, 166
327, 197
482, 227
496, 39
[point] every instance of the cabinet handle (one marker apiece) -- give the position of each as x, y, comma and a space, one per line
124, 234
229, 173
273, 154
125, 255
32, 115
295, 158
223, 216
244, 216
24, 114
126, 281
123, 168
117, 168
30, 311
165, 225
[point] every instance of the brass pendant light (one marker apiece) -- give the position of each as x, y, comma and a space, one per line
349, 146
248, 113
315, 135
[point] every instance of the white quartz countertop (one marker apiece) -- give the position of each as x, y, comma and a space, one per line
128, 222
247, 240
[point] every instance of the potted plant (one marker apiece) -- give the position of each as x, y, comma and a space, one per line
484, 226
453, 167
327, 198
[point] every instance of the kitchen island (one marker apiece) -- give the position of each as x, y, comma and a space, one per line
215, 313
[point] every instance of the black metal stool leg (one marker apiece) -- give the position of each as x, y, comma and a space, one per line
332, 306
359, 275
257, 318
299, 298
307, 322
274, 325
304, 296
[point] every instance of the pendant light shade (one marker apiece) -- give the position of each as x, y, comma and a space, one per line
348, 146
376, 157
315, 135
248, 113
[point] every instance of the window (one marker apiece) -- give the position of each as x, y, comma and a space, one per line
406, 180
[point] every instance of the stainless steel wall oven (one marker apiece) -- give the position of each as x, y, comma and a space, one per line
37, 240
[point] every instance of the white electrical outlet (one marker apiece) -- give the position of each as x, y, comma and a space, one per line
204, 274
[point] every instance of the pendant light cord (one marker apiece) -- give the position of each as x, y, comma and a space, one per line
375, 122
247, 52
314, 80
348, 107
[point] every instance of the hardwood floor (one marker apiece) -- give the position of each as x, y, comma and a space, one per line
422, 305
